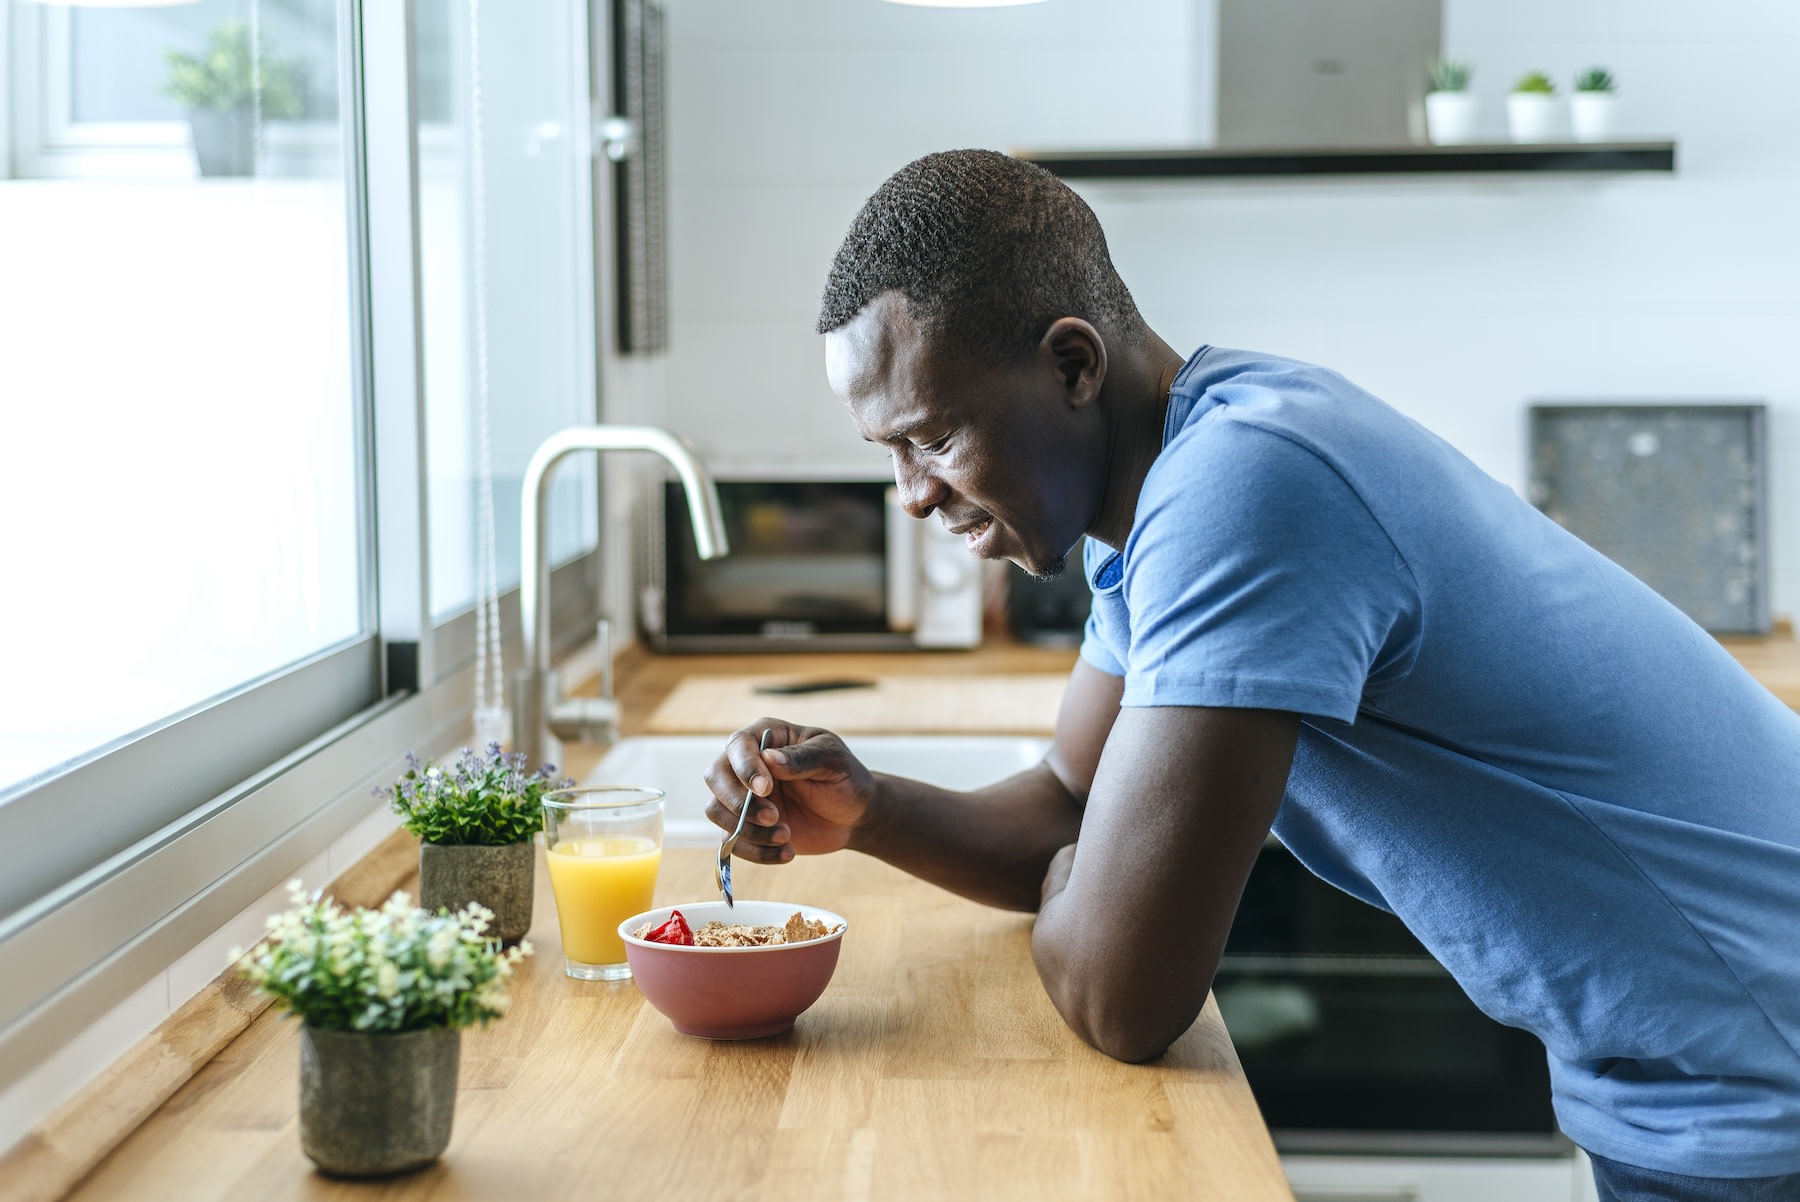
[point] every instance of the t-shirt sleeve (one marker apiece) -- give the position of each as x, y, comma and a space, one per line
1256, 577
1097, 640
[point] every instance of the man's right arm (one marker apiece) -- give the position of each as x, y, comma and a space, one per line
993, 844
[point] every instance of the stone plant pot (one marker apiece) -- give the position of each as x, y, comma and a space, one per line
500, 878
374, 1103
224, 141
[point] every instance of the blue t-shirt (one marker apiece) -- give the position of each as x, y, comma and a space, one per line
1573, 796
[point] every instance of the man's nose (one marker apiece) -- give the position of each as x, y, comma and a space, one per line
920, 492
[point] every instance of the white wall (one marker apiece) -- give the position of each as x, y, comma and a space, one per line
1459, 301
785, 114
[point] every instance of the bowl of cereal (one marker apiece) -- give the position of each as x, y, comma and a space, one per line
725, 973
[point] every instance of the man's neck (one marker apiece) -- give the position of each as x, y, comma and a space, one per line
1138, 411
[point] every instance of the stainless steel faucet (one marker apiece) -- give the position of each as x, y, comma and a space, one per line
542, 718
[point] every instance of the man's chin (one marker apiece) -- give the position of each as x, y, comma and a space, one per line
1042, 572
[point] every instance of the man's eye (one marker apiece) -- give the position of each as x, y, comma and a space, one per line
936, 445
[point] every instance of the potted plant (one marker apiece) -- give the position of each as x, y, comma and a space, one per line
1531, 108
223, 89
1591, 107
382, 997
475, 821
1449, 107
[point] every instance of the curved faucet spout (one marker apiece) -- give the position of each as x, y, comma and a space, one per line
530, 733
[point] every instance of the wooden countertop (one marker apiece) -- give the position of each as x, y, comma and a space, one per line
643, 679
933, 1067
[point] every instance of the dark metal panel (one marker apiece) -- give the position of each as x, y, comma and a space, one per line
1675, 494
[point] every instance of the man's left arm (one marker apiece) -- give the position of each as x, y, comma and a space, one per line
1134, 916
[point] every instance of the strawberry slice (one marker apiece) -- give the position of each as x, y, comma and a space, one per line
675, 931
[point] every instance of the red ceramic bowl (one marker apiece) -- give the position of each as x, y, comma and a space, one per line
732, 992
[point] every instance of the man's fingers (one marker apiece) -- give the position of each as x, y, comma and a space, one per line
771, 832
801, 758
747, 761
758, 853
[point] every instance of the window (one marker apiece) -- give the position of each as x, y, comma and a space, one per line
185, 477
532, 247
238, 363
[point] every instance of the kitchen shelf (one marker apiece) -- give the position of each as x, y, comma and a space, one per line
1489, 157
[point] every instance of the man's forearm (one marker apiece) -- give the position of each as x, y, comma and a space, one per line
993, 845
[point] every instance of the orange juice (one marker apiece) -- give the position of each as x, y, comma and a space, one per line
599, 883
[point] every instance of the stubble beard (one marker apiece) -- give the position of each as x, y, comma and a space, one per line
1051, 571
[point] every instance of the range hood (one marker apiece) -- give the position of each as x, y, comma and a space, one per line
1324, 73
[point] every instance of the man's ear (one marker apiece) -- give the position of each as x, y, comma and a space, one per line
1077, 353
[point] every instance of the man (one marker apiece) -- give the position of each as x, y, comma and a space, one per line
1310, 613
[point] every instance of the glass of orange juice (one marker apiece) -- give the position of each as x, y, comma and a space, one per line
604, 844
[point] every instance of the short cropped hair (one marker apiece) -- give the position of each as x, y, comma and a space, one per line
987, 249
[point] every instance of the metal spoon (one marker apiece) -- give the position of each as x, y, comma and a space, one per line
722, 872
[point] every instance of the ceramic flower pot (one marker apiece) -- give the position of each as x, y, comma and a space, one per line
1531, 117
1591, 116
375, 1103
500, 878
1450, 118
224, 141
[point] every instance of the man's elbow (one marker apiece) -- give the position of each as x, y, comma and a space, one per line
1128, 1021
1125, 1038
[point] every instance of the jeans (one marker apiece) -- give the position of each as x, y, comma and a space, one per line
1627, 1183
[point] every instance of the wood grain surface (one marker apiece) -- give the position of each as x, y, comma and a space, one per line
933, 1067
645, 681
214, 1053
1023, 703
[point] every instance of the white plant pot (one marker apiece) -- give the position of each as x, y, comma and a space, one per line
1591, 115
1450, 118
1531, 117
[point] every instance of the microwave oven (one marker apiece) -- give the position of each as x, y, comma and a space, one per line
814, 565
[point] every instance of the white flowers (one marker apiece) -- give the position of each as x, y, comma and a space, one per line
398, 968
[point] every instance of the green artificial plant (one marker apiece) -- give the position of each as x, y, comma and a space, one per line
1596, 79
1448, 75
1535, 83
390, 970
228, 77
488, 799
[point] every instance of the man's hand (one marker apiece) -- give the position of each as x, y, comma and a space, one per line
810, 793
992, 844
1057, 876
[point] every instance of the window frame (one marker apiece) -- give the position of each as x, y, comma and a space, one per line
232, 792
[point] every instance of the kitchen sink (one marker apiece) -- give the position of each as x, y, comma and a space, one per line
676, 764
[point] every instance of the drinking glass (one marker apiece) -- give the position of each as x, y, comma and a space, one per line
604, 844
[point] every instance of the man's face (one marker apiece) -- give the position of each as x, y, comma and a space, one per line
997, 452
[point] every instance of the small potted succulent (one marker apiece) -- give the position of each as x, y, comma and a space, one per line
1531, 109
1591, 107
382, 997
475, 820
225, 90
1449, 105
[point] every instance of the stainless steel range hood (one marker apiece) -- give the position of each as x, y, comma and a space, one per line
1324, 73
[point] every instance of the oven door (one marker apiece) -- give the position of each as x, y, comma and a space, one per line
1354, 1039
808, 570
